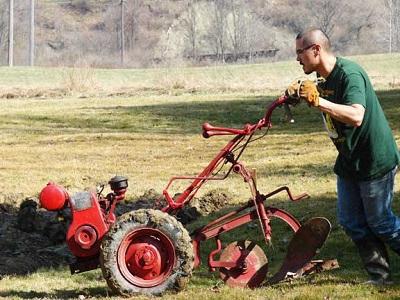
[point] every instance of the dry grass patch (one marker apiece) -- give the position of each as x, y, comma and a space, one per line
257, 78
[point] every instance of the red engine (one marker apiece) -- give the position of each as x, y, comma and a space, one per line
92, 216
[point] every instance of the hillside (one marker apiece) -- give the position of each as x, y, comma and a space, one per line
176, 32
88, 32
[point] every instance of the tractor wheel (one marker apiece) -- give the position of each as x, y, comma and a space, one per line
146, 252
252, 264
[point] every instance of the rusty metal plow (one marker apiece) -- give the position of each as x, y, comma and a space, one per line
302, 248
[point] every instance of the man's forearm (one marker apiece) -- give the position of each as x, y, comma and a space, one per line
349, 114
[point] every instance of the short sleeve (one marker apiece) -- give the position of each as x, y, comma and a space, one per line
354, 89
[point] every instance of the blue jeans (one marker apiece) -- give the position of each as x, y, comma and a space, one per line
365, 209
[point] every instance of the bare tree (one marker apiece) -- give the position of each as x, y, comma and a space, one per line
132, 22
3, 30
11, 34
397, 24
327, 12
237, 30
355, 23
222, 28
246, 31
190, 28
392, 10
292, 15
217, 35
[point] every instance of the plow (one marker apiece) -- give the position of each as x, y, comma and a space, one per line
148, 251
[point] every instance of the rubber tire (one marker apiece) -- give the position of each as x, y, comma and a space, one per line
181, 272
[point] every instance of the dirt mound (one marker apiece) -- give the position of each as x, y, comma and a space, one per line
150, 199
33, 93
32, 238
210, 202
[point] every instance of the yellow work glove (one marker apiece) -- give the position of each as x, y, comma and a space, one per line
308, 91
292, 92
293, 89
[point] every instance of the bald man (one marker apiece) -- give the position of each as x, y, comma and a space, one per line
367, 152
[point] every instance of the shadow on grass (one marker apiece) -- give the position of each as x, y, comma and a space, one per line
57, 294
180, 117
317, 170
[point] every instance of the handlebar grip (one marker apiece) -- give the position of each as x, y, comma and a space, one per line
206, 127
299, 197
209, 130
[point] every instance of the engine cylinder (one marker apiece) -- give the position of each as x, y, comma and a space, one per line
118, 183
53, 197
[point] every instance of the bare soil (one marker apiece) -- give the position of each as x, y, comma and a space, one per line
30, 239
33, 238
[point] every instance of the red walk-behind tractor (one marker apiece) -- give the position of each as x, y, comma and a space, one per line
148, 251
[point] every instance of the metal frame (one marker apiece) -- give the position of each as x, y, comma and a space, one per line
236, 218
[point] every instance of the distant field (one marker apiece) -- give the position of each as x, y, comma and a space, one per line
271, 77
146, 125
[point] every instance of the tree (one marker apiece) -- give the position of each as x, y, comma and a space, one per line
392, 11
353, 32
237, 28
326, 12
190, 28
132, 22
217, 35
3, 30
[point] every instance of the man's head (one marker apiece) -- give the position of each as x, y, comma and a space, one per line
312, 47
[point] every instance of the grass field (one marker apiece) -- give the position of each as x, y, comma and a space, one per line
81, 127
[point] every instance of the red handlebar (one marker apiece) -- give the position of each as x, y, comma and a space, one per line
209, 130
207, 173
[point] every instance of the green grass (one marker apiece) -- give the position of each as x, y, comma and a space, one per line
17, 81
151, 132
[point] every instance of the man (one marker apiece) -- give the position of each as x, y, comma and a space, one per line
368, 154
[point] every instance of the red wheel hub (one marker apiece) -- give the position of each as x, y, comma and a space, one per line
146, 257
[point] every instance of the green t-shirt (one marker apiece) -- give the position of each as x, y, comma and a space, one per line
368, 151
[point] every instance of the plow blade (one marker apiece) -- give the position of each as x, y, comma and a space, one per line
302, 248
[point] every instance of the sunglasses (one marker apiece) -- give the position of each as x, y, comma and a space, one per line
300, 51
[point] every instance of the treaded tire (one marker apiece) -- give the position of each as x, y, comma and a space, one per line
128, 233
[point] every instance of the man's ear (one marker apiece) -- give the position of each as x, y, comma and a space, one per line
316, 49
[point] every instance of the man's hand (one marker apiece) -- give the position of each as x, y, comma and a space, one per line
293, 89
308, 91
292, 92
